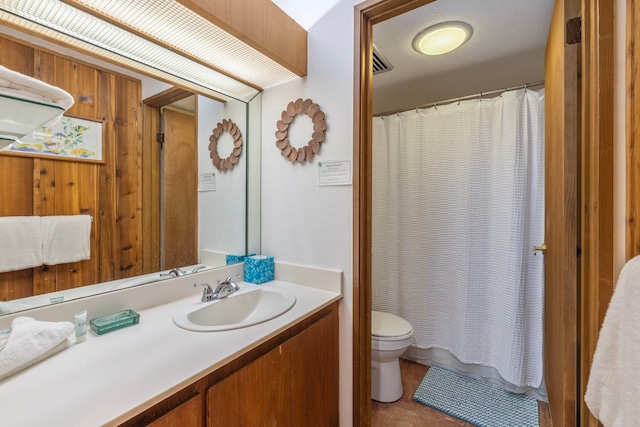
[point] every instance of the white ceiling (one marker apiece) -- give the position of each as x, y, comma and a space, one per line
505, 50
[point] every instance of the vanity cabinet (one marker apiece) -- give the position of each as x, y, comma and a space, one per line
294, 384
290, 380
187, 414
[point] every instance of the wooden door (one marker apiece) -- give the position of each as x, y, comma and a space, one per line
179, 197
561, 217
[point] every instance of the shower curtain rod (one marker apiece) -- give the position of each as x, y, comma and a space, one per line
449, 101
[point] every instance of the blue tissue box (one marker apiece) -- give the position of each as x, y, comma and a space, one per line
258, 269
234, 259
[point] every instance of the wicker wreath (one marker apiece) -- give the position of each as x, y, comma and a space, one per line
312, 110
233, 130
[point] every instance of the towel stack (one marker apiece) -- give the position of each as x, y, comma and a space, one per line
31, 241
29, 341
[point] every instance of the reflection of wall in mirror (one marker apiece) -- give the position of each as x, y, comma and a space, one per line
223, 211
110, 192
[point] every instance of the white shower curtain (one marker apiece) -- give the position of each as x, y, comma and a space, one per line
457, 206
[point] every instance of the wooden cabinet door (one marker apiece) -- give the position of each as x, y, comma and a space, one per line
188, 414
314, 374
256, 395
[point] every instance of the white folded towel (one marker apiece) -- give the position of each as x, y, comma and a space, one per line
66, 238
20, 242
31, 341
614, 381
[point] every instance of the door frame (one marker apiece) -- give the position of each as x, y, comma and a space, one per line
151, 214
596, 187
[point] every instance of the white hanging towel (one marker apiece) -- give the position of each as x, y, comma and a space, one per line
30, 341
66, 238
20, 242
614, 381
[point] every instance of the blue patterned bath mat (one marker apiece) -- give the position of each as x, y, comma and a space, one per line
474, 401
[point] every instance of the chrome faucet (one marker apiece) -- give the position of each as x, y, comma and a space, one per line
223, 289
174, 272
226, 288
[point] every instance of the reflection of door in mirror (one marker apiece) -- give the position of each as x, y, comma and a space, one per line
170, 200
179, 196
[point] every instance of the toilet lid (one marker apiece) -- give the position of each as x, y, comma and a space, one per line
389, 325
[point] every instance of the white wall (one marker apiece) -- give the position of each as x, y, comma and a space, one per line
303, 223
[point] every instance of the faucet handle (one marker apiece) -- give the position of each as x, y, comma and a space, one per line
233, 284
198, 268
174, 272
228, 279
207, 293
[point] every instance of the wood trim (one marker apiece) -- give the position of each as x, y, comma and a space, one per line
150, 189
167, 97
366, 16
362, 225
596, 286
632, 130
260, 24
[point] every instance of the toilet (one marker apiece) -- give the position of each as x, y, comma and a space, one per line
391, 335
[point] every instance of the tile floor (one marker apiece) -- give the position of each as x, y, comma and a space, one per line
407, 413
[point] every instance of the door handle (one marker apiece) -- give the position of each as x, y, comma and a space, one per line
542, 248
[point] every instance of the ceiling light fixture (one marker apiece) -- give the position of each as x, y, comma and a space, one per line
442, 38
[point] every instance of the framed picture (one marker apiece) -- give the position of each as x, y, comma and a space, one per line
71, 138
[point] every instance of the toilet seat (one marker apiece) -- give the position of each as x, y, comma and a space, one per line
389, 327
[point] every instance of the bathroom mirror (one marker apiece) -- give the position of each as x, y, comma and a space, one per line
227, 214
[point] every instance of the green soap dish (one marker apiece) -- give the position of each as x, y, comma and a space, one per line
113, 322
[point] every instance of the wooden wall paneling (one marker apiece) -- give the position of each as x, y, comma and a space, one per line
597, 184
151, 190
16, 56
77, 182
33, 186
44, 204
105, 221
633, 129
127, 138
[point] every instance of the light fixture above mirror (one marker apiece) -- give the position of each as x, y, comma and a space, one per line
442, 38
160, 38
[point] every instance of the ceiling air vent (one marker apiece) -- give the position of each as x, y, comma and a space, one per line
380, 63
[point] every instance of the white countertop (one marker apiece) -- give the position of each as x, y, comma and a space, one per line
110, 378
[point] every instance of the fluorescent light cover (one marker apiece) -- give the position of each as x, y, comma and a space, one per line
184, 32
442, 38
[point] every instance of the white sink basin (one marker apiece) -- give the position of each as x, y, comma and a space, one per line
244, 308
